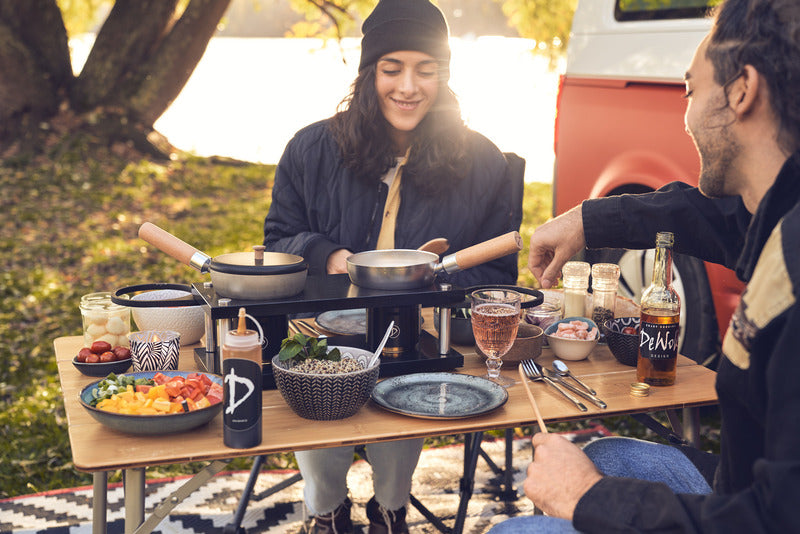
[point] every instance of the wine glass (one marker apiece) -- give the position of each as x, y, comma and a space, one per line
495, 320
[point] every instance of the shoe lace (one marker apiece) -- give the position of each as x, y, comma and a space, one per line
389, 517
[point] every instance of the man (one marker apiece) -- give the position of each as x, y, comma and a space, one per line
743, 114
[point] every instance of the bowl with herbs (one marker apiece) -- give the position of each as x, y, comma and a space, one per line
323, 382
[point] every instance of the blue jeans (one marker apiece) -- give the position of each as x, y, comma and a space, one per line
621, 457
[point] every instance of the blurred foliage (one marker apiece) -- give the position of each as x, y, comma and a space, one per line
545, 21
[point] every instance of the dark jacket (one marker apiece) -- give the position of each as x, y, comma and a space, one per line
757, 483
318, 207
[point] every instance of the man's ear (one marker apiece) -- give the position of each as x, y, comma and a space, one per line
744, 91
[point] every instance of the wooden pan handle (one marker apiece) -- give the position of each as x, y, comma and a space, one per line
510, 243
174, 246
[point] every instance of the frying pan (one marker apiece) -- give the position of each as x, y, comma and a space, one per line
393, 269
253, 275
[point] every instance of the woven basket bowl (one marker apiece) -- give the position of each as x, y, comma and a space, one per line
325, 397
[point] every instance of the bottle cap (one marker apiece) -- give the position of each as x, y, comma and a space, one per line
640, 389
248, 339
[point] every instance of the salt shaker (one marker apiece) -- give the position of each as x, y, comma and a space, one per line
576, 286
605, 279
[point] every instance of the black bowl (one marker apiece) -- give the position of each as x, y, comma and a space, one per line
624, 347
102, 369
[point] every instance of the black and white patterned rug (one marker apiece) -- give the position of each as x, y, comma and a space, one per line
210, 508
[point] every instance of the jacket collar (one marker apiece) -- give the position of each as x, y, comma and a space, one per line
779, 199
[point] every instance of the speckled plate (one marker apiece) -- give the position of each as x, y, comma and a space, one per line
439, 395
344, 322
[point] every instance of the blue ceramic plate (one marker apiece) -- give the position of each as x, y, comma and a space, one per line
152, 424
344, 322
439, 395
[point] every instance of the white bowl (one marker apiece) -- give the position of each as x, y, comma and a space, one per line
571, 349
189, 321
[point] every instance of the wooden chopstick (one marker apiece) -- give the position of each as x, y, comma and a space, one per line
535, 406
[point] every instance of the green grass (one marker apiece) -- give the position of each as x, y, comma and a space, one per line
69, 228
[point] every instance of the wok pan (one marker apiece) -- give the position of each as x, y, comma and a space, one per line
253, 275
393, 269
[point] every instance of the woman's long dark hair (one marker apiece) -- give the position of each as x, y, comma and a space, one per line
438, 156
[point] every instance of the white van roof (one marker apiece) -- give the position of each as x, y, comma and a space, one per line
643, 50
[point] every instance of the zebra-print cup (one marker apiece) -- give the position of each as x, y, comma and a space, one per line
155, 350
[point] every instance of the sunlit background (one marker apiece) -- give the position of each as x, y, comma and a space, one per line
248, 96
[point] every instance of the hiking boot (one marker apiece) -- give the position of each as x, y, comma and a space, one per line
336, 522
383, 521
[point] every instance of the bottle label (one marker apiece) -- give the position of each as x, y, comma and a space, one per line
242, 393
658, 341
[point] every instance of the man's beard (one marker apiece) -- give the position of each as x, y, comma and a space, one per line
718, 148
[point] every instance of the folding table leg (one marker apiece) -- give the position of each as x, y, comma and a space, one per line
472, 445
99, 501
133, 482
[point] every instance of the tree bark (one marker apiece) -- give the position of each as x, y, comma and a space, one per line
133, 29
159, 80
34, 57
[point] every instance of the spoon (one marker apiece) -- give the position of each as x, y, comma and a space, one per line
562, 369
438, 246
378, 351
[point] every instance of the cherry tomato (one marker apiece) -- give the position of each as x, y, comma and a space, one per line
121, 353
83, 354
92, 358
107, 356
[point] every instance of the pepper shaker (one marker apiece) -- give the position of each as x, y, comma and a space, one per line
605, 279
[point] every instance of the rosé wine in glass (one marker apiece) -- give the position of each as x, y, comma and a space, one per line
495, 320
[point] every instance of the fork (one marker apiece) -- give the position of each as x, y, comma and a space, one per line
534, 372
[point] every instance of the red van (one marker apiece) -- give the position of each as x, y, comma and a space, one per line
619, 129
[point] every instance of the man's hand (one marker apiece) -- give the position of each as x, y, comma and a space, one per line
553, 244
336, 263
559, 475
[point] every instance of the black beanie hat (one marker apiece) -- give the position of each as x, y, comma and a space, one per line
404, 25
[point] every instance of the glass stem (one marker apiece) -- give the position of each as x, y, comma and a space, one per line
493, 364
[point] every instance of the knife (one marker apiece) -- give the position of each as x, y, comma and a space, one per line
554, 376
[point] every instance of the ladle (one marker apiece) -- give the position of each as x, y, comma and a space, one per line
380, 347
438, 245
562, 370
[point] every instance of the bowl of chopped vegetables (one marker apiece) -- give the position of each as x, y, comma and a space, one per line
154, 402
323, 383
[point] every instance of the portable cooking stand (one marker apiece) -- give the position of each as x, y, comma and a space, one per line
336, 292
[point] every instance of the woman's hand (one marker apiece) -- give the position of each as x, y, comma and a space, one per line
559, 475
336, 261
553, 244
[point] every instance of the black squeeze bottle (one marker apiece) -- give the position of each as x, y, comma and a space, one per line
241, 370
659, 324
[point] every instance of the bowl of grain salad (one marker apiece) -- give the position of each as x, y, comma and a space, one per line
325, 390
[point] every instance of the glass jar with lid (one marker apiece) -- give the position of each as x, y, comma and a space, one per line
605, 280
546, 313
576, 288
104, 320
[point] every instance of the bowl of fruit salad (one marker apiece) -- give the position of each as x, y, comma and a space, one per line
622, 336
154, 402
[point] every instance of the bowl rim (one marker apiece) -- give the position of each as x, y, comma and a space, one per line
553, 327
276, 362
607, 329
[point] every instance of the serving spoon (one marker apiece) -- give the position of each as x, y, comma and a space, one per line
378, 351
562, 370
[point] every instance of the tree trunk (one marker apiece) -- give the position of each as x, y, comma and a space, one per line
159, 80
34, 59
131, 32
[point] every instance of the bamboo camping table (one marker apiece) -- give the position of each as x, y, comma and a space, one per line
283, 431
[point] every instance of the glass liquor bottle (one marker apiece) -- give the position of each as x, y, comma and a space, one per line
660, 314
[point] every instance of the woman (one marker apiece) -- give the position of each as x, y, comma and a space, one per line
395, 167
